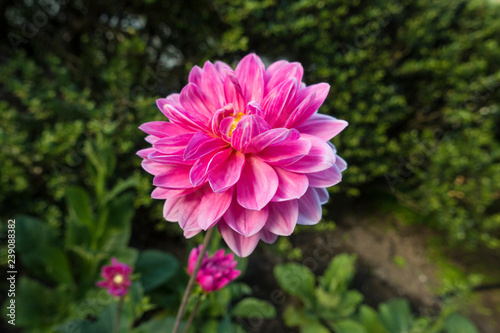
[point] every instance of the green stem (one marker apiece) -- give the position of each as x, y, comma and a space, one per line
192, 279
118, 315
192, 315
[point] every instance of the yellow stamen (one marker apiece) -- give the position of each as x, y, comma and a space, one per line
118, 279
236, 120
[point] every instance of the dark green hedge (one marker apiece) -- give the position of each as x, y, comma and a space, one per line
418, 81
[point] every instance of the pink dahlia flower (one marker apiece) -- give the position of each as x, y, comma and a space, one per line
116, 278
244, 150
215, 271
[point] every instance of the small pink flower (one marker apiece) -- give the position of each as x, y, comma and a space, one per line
215, 271
117, 278
245, 150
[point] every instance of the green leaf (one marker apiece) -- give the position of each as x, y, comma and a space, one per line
155, 267
350, 326
458, 324
349, 303
119, 188
293, 316
370, 319
79, 206
339, 273
254, 308
157, 325
46, 257
314, 326
297, 280
396, 315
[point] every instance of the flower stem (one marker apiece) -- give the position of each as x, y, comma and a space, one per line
118, 315
192, 279
192, 315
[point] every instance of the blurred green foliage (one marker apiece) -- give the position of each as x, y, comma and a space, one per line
329, 305
419, 83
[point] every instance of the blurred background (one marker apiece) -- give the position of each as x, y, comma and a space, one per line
419, 206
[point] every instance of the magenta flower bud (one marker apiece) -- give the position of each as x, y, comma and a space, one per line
244, 150
116, 278
215, 271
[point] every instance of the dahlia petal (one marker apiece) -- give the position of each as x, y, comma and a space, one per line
155, 168
202, 144
325, 178
199, 171
233, 92
257, 185
285, 72
250, 74
267, 236
151, 139
162, 129
242, 246
173, 144
273, 68
244, 221
309, 208
291, 185
184, 119
222, 67
196, 102
277, 100
189, 209
320, 157
254, 108
246, 129
310, 99
195, 75
322, 195
171, 209
276, 136
212, 85
165, 193
191, 233
282, 217
323, 126
176, 159
286, 153
145, 152
212, 207
340, 163
227, 172
174, 178
207, 282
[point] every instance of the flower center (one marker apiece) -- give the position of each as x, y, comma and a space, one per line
236, 120
118, 279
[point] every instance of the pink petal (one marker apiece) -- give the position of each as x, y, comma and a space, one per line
233, 92
182, 118
310, 99
227, 172
171, 209
177, 159
244, 221
195, 75
173, 144
189, 209
285, 154
257, 185
325, 178
309, 208
212, 207
322, 195
211, 84
340, 163
282, 217
174, 178
145, 152
323, 126
165, 193
191, 233
162, 129
320, 157
246, 129
151, 139
242, 246
284, 73
206, 282
267, 236
276, 102
250, 73
222, 67
155, 168
291, 185
273, 68
275, 136
196, 103
202, 144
